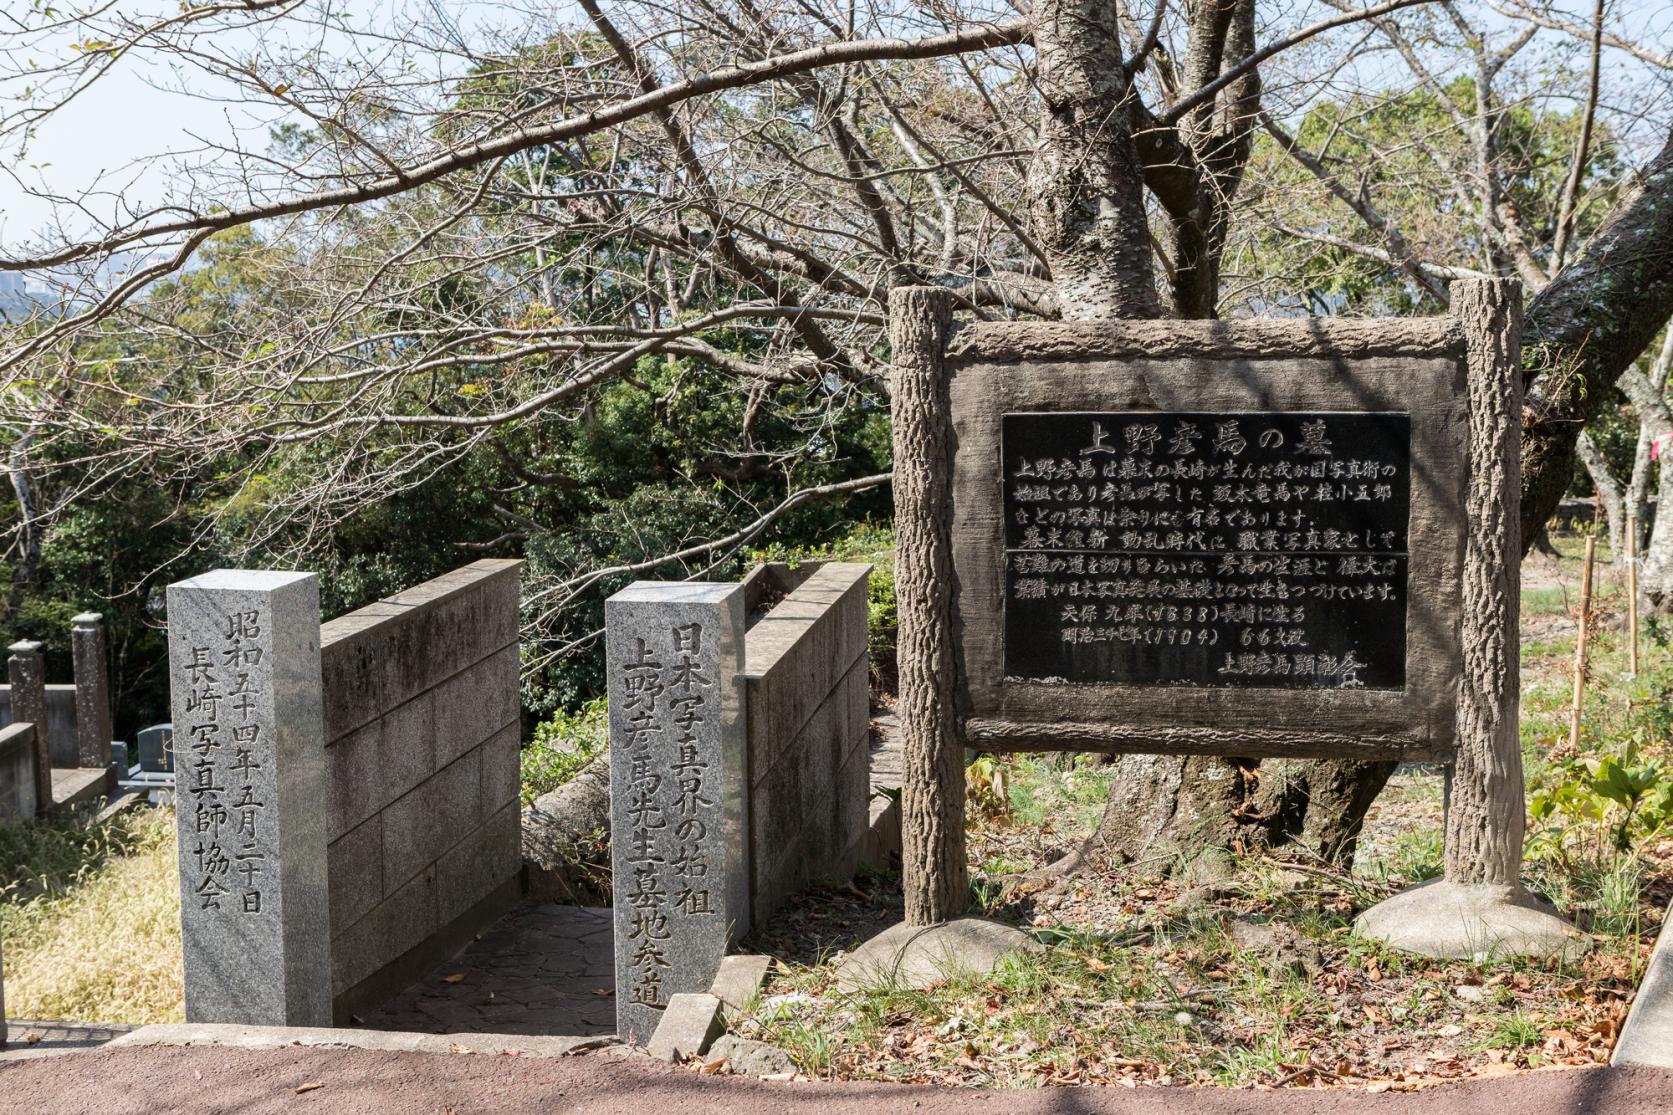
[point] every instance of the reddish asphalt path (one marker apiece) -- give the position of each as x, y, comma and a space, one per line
216, 1080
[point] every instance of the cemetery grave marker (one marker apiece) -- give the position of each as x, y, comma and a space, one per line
1259, 538
156, 749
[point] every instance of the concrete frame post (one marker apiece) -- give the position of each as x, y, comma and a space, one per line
26, 670
1480, 910
91, 653
934, 864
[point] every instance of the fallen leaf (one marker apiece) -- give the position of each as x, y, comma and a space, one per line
312, 1085
456, 977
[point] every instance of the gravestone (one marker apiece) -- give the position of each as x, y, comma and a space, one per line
1256, 538
92, 675
26, 670
244, 673
679, 799
156, 749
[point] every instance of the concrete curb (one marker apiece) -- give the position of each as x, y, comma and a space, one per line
692, 1021
1647, 1035
388, 1041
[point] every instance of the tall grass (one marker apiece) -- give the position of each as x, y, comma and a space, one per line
90, 919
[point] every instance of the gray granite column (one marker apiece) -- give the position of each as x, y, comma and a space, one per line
26, 670
251, 799
679, 795
92, 678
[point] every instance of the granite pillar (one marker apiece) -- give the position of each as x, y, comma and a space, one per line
679, 791
26, 670
251, 799
92, 676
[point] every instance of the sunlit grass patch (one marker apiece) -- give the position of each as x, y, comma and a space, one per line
90, 919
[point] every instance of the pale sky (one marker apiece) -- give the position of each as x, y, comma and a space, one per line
140, 111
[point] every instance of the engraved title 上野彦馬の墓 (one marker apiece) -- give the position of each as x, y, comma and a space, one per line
1212, 549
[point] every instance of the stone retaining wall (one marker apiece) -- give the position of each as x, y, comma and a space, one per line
17, 773
421, 727
807, 707
60, 721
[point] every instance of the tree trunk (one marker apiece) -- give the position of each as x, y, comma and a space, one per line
1085, 184
1322, 802
1087, 188
1609, 494
1655, 419
1587, 326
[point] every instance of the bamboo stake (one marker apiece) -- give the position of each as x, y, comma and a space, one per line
1580, 643
1632, 596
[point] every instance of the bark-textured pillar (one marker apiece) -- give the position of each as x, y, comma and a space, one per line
26, 670
92, 677
932, 777
252, 803
1485, 822
1480, 911
3, 1033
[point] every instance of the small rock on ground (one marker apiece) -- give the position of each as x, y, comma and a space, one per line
914, 956
1280, 944
747, 1057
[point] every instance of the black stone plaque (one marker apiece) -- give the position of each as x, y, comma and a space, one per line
1223, 549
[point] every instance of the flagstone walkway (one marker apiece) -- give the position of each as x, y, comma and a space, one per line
43, 1039
543, 969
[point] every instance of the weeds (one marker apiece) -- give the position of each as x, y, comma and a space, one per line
562, 746
90, 916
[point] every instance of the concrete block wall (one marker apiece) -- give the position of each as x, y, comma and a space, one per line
17, 773
60, 722
421, 724
807, 707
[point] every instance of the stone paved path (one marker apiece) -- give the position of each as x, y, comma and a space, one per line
43, 1039
543, 969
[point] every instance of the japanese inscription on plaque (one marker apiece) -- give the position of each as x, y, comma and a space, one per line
675, 768
1210, 549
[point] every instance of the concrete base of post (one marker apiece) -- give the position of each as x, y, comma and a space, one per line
1481, 923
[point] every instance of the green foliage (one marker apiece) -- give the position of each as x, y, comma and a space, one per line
870, 542
562, 746
1409, 182
1589, 797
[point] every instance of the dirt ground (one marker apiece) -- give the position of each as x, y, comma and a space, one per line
216, 1081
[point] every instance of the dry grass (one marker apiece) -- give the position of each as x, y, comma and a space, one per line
90, 919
